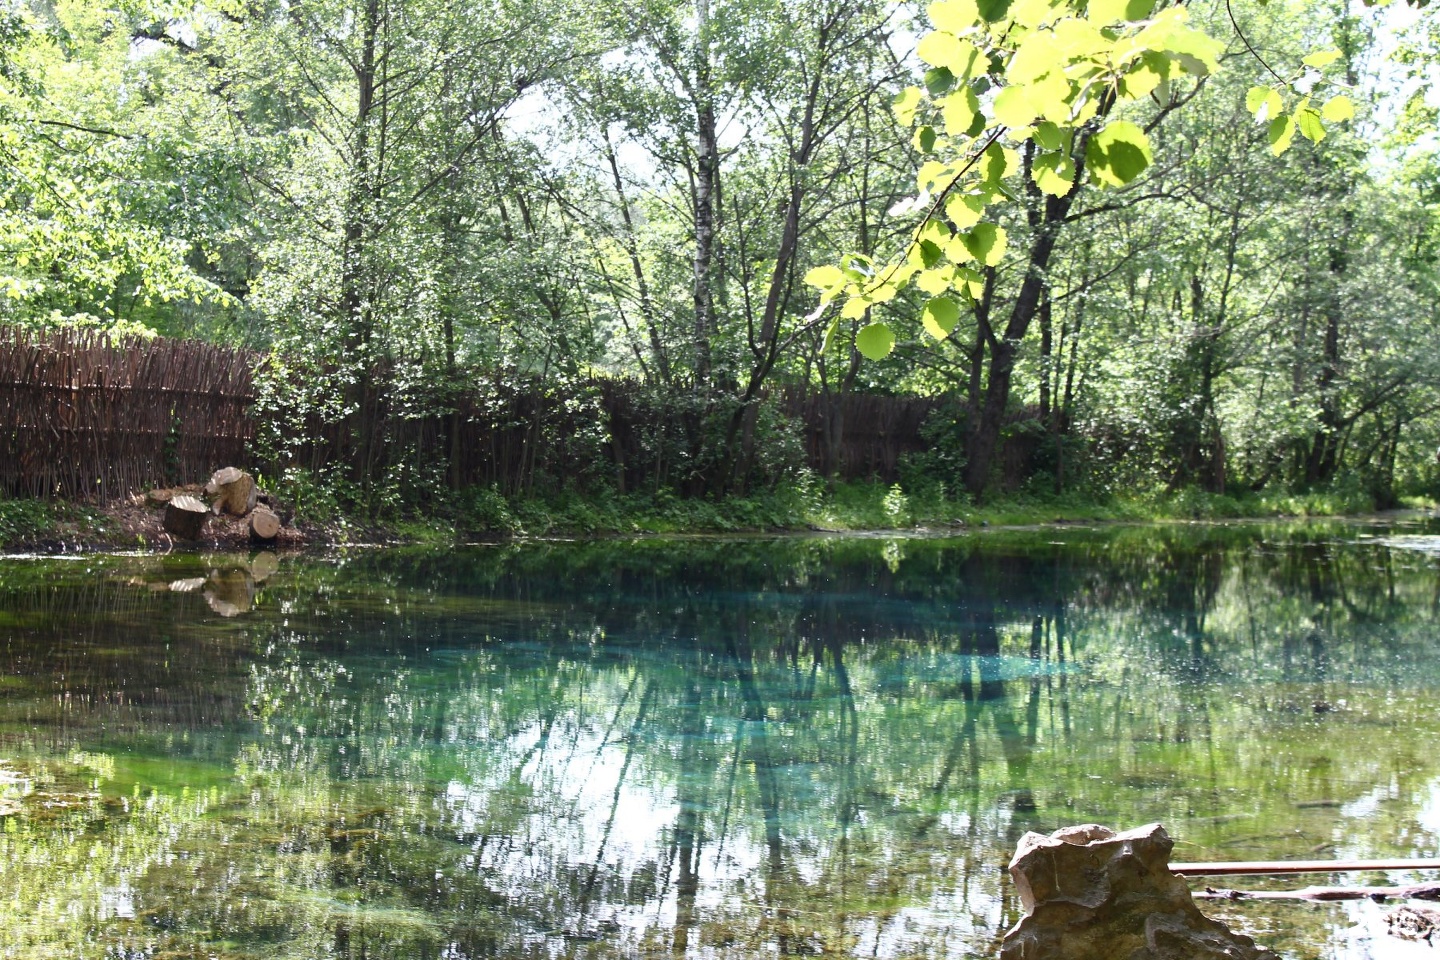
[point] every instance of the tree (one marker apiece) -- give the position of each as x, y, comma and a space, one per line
96, 221
1060, 83
750, 132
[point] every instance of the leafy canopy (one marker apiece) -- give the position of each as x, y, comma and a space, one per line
1046, 80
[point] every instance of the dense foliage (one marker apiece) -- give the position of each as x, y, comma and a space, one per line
1155, 246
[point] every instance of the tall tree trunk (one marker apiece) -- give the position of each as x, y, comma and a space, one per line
984, 439
1047, 360
1323, 459
765, 349
707, 178
355, 306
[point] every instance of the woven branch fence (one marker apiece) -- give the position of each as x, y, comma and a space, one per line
858, 435
84, 416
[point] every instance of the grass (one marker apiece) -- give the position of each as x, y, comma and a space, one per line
808, 505
873, 506
40, 523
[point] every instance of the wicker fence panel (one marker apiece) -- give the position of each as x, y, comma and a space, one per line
874, 431
84, 416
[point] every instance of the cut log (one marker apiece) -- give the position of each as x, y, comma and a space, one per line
158, 498
236, 490
185, 517
264, 524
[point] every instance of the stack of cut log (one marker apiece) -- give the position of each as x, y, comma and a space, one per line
230, 491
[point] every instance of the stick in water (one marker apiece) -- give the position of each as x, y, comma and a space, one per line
1424, 891
1298, 866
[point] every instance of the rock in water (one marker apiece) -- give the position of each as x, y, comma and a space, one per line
185, 517
1090, 893
1414, 923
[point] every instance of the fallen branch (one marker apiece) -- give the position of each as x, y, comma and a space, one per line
1298, 866
1424, 891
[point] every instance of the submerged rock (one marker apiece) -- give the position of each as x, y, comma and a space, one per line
1414, 922
1090, 893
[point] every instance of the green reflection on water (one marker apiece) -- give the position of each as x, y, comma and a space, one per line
713, 747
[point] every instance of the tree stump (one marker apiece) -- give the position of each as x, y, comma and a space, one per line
185, 517
264, 524
235, 489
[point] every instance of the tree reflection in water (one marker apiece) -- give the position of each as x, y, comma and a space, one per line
707, 748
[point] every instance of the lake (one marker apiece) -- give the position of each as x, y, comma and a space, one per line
736, 747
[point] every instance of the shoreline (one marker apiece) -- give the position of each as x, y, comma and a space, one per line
131, 528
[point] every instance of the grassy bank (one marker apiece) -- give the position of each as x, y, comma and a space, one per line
485, 514
48, 524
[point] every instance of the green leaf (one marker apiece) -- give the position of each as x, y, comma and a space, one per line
1338, 109
997, 163
875, 341
1307, 120
940, 316
825, 277
973, 281
883, 293
908, 101
939, 80
1013, 107
938, 48
934, 230
992, 10
965, 210
1322, 58
855, 308
930, 253
959, 110
857, 266
830, 332
1032, 13
1145, 74
925, 139
955, 16
1102, 12
937, 281
1053, 173
1196, 53
1281, 132
1118, 154
1049, 136
1037, 55
986, 243
1264, 103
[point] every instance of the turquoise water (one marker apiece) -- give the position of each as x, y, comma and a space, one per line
710, 748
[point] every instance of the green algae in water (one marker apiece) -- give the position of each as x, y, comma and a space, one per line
719, 748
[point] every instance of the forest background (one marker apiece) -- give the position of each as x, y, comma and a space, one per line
592, 226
